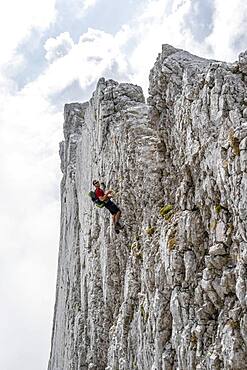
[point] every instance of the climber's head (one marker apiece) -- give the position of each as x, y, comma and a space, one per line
96, 183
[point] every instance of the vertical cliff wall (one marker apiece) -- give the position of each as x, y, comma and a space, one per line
169, 291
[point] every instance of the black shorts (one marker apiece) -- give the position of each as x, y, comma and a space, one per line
112, 207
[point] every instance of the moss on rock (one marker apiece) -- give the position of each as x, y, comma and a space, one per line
150, 230
166, 209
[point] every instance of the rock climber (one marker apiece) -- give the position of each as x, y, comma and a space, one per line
112, 207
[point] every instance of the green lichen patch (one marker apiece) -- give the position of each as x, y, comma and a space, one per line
233, 324
218, 208
136, 246
136, 250
166, 210
169, 216
150, 230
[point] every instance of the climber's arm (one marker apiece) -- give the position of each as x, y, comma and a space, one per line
106, 196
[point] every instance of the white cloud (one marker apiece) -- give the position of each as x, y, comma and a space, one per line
81, 7
17, 18
89, 4
230, 19
170, 22
29, 218
27, 289
86, 6
58, 47
156, 26
94, 54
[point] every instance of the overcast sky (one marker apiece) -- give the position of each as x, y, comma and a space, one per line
53, 52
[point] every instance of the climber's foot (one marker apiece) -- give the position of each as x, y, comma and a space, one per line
119, 226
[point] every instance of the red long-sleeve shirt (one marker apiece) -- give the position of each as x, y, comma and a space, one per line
99, 192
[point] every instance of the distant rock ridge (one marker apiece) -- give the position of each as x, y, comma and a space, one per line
169, 291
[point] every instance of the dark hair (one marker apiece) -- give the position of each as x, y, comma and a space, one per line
95, 182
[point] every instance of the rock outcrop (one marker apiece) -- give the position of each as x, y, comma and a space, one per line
169, 291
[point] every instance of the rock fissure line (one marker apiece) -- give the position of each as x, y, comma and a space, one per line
169, 291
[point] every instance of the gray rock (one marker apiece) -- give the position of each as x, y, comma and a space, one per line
243, 62
169, 291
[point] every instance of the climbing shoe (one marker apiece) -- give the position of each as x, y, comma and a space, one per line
116, 230
119, 226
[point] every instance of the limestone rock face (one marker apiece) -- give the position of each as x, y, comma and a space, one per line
169, 291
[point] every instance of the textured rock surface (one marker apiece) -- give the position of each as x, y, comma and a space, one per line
169, 292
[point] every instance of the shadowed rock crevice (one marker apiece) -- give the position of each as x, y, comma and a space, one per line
169, 291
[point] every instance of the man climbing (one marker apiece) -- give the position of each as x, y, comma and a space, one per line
112, 207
